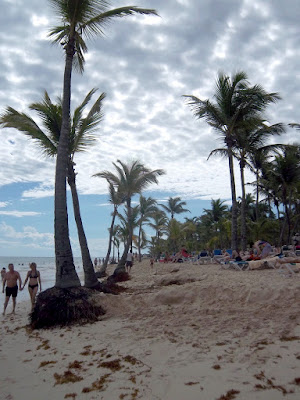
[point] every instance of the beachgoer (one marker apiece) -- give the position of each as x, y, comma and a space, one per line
10, 280
95, 262
129, 261
3, 272
34, 278
296, 241
264, 249
151, 263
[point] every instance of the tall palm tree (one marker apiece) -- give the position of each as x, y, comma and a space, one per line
116, 198
160, 225
175, 206
80, 19
248, 141
285, 174
236, 105
81, 136
132, 178
147, 207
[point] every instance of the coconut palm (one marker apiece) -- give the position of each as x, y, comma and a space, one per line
116, 198
175, 206
132, 178
236, 106
284, 173
81, 136
249, 141
147, 207
79, 20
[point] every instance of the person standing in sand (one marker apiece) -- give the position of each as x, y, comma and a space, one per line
3, 272
151, 263
10, 280
34, 278
129, 260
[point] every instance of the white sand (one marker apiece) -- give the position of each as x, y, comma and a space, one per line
197, 333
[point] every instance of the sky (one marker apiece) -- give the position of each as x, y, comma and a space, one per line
144, 64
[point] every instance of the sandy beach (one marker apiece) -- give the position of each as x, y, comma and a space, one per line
181, 331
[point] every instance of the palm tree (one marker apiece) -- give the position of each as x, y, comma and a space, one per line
131, 178
160, 225
147, 207
285, 173
81, 136
249, 141
116, 198
237, 104
257, 159
80, 19
175, 206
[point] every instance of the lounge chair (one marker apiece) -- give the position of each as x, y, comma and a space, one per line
203, 258
237, 265
217, 256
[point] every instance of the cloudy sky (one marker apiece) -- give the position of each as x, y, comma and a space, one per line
144, 65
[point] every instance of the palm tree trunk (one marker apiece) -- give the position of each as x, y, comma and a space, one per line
257, 197
139, 242
66, 275
90, 279
243, 210
234, 204
104, 266
128, 243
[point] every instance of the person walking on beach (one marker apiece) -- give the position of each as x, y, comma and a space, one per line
129, 261
10, 280
3, 272
34, 278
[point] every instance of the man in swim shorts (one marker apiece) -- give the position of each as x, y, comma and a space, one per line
10, 280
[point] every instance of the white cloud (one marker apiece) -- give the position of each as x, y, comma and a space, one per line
27, 237
20, 214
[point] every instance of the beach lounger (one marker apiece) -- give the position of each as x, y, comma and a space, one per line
203, 258
239, 265
217, 256
289, 270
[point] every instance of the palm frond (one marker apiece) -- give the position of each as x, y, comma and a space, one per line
23, 123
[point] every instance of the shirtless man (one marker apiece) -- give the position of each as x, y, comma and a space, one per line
10, 279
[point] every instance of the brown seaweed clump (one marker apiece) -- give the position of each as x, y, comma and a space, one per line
61, 307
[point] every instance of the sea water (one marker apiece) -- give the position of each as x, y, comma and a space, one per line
46, 267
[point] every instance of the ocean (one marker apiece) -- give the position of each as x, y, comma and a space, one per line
46, 266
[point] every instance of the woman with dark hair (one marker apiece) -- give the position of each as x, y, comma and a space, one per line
34, 278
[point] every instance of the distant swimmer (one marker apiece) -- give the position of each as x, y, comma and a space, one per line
10, 280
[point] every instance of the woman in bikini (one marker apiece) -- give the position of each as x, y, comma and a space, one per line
34, 277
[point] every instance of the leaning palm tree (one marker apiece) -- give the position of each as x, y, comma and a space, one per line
116, 198
249, 141
79, 20
81, 136
175, 206
132, 178
236, 103
147, 207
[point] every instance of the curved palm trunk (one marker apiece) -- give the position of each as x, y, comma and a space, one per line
104, 266
139, 242
90, 279
243, 210
234, 204
66, 275
128, 243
